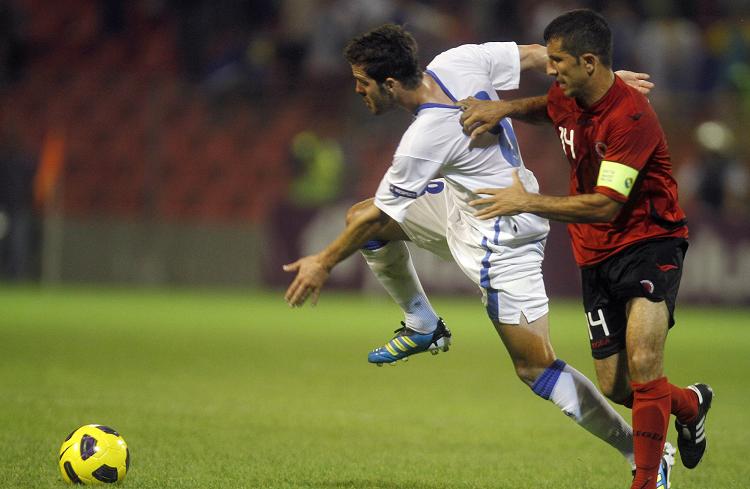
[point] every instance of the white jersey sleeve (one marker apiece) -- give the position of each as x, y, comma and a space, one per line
419, 158
405, 180
498, 61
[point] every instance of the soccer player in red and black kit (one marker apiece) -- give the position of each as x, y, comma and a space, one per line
628, 232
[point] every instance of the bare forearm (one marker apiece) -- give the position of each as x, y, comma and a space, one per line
480, 116
312, 271
532, 109
585, 208
512, 200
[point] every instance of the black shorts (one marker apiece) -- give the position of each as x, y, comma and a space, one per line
650, 269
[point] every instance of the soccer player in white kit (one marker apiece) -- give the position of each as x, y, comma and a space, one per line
502, 256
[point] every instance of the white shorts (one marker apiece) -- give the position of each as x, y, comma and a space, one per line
509, 276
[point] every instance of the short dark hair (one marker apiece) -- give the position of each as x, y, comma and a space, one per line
386, 51
582, 31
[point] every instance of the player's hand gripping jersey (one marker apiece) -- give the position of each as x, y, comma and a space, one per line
617, 147
434, 145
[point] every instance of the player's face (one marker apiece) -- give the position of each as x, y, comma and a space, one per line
377, 99
568, 70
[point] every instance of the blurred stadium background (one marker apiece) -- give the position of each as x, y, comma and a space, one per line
200, 142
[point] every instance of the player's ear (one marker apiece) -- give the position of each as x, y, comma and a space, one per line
589, 63
389, 84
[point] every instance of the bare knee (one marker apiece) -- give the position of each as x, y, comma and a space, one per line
529, 347
529, 372
645, 365
646, 334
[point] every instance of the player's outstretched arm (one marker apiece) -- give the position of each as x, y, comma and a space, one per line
515, 199
480, 116
313, 270
533, 57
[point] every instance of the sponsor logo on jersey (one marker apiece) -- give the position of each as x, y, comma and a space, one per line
401, 192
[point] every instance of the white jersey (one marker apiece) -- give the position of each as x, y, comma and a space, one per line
434, 145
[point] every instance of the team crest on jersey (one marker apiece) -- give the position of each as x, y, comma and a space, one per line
601, 149
648, 286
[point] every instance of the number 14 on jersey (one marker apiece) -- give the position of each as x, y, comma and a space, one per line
567, 140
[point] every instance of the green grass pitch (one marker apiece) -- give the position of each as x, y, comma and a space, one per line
237, 390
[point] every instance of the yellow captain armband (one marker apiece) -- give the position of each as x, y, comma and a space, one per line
617, 176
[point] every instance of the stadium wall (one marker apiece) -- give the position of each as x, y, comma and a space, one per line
210, 254
717, 267
153, 253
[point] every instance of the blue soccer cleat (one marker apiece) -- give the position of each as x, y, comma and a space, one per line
665, 469
691, 437
408, 342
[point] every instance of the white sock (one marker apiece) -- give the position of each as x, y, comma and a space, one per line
579, 399
392, 266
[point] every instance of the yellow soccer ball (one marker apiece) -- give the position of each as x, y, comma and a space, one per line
94, 454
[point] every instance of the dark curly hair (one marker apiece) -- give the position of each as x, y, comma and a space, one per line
387, 51
582, 31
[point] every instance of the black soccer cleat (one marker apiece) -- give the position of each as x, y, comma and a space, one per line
691, 437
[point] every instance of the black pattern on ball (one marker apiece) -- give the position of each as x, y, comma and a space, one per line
107, 429
88, 447
106, 474
71, 473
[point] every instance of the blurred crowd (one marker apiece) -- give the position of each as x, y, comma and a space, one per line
244, 110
